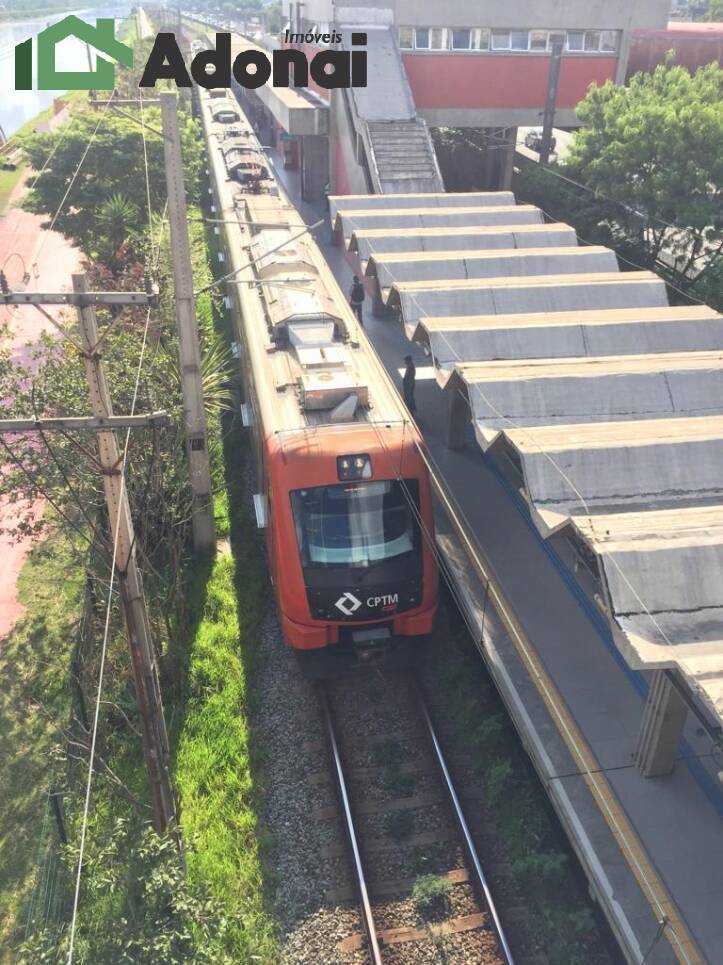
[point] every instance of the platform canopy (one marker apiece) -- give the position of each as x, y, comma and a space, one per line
405, 241
608, 400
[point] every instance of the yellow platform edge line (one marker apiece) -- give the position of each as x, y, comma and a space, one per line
660, 901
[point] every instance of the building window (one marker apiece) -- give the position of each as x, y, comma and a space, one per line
461, 39
592, 40
519, 39
421, 38
500, 40
481, 38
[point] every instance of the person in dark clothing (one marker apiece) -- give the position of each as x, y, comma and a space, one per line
356, 298
410, 375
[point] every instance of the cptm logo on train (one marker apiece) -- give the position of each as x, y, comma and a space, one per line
251, 68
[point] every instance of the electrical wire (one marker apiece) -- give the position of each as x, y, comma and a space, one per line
586, 770
551, 698
104, 648
122, 496
83, 156
546, 454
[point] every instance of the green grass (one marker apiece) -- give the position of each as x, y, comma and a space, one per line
34, 662
213, 773
8, 180
214, 753
534, 843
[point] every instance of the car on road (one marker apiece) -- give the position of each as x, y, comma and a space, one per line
533, 140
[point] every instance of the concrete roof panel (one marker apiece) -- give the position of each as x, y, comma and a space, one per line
553, 293
359, 202
405, 241
435, 217
390, 269
548, 391
594, 333
634, 472
611, 398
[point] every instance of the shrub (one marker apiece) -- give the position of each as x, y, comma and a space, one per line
432, 896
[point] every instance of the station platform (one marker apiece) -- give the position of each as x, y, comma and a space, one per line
652, 848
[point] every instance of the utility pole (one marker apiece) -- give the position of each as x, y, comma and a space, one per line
194, 413
145, 672
548, 120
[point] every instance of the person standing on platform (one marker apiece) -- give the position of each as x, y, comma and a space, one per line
408, 381
356, 298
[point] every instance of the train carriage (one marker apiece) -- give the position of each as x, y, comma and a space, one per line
344, 493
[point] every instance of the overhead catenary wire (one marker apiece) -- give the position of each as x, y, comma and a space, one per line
558, 713
73, 179
463, 526
103, 652
99, 691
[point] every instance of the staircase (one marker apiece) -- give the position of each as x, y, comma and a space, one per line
404, 156
398, 146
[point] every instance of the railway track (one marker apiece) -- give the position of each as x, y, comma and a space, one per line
422, 891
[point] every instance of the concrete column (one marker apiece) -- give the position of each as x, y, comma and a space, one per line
661, 728
507, 158
499, 158
457, 415
314, 166
623, 57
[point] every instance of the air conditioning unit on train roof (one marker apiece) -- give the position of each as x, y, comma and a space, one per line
274, 254
327, 372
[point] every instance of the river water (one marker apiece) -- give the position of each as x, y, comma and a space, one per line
17, 107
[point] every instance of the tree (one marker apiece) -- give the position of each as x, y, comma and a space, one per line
117, 221
114, 165
715, 11
710, 10
143, 907
657, 148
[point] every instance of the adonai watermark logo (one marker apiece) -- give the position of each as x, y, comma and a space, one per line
101, 37
251, 68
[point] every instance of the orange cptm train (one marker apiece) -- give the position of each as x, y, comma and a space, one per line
344, 491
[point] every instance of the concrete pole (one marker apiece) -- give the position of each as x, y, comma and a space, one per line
314, 166
548, 120
661, 728
194, 413
145, 672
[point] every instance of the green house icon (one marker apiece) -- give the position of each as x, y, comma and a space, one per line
101, 37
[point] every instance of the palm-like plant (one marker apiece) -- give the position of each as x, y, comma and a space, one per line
117, 218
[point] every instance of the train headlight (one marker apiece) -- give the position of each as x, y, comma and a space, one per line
358, 466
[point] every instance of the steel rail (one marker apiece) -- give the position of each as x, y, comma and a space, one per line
366, 909
482, 885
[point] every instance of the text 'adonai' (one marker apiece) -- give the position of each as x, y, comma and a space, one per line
252, 68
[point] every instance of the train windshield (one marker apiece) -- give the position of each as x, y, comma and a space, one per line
356, 524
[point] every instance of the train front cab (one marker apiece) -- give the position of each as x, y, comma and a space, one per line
351, 546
